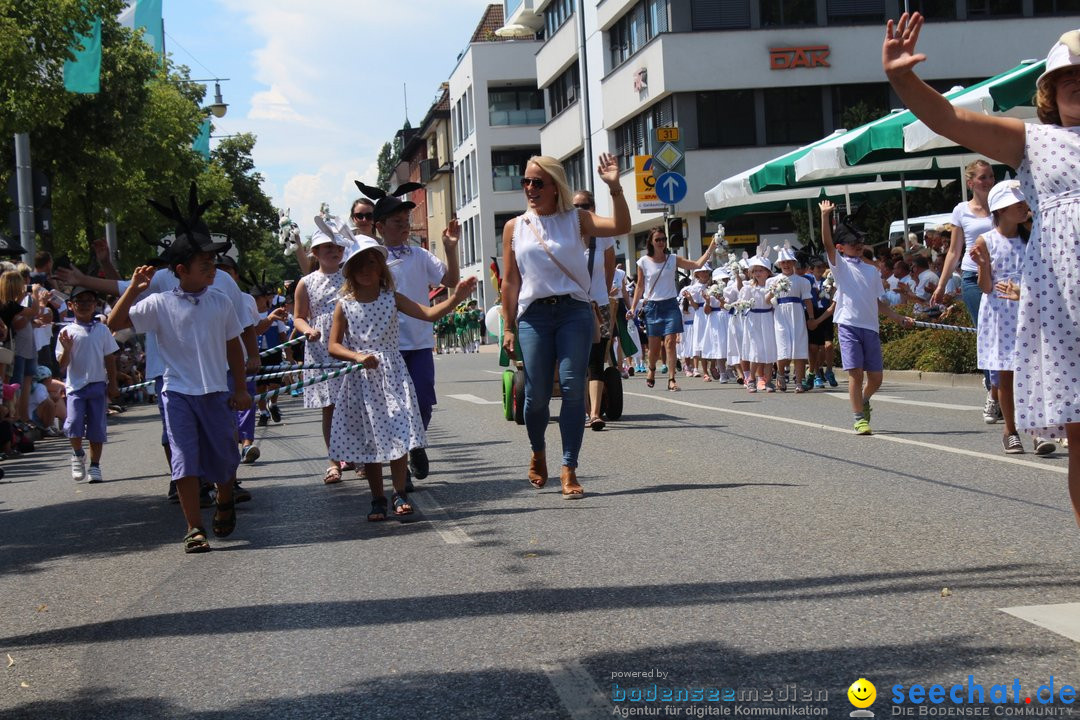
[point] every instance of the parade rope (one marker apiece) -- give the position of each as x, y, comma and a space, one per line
939, 326
302, 366
283, 345
264, 373
313, 381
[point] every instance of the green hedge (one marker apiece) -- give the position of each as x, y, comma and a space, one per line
945, 351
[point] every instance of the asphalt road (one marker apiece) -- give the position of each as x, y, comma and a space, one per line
733, 543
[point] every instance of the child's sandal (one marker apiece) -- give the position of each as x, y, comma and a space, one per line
402, 506
195, 541
224, 519
378, 509
332, 476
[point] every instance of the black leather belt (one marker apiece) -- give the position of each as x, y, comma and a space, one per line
553, 299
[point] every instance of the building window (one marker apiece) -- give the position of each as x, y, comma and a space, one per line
856, 12
854, 105
726, 118
500, 225
779, 13
934, 9
556, 14
786, 126
564, 91
993, 8
576, 176
634, 136
508, 167
1057, 7
516, 106
640, 24
719, 14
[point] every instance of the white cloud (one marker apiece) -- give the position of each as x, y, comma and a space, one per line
325, 87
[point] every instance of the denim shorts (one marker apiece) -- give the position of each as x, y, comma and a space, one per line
21, 367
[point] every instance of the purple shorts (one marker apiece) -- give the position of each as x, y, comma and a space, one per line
245, 419
859, 348
421, 365
159, 382
86, 411
202, 436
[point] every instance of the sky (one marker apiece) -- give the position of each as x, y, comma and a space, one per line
320, 82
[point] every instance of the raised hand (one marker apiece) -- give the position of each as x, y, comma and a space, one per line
826, 207
451, 235
608, 168
140, 279
898, 56
65, 340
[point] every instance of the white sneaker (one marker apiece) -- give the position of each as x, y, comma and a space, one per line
78, 468
1044, 446
991, 410
95, 474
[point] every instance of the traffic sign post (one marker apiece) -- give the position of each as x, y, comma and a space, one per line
668, 152
645, 183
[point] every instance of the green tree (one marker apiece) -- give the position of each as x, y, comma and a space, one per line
387, 161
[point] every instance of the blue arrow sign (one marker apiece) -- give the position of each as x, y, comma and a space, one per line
671, 188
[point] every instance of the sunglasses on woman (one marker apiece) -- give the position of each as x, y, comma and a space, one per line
534, 182
363, 216
583, 206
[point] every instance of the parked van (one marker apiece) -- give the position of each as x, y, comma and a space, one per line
915, 225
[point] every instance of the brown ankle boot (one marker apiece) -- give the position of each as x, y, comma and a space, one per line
538, 474
571, 489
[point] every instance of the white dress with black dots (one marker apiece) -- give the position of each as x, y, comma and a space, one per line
1047, 366
323, 292
996, 345
376, 416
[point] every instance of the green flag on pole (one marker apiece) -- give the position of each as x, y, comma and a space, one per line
83, 74
201, 144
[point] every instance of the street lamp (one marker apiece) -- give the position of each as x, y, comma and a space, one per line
218, 108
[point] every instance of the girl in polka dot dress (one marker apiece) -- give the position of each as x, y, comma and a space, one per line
998, 254
316, 295
376, 417
1046, 373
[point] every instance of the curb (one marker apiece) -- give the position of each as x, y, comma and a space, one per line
969, 380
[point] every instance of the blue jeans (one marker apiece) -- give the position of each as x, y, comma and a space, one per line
972, 295
556, 334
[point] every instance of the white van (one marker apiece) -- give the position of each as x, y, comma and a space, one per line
915, 225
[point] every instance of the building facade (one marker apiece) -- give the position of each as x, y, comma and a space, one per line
745, 80
496, 112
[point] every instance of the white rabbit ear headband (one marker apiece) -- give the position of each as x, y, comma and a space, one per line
784, 252
331, 230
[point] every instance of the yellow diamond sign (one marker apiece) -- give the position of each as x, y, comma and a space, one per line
668, 155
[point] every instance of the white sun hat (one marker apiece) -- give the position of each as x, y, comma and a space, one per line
1004, 194
1064, 53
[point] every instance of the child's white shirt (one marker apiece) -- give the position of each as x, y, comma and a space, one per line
86, 362
858, 286
414, 272
165, 280
191, 338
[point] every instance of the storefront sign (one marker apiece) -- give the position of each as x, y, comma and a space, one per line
788, 58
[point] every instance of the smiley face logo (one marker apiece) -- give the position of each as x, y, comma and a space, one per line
862, 693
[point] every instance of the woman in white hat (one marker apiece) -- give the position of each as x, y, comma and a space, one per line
1047, 157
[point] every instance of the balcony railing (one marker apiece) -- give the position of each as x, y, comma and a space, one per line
517, 117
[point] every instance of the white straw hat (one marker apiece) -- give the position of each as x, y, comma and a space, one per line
1064, 53
758, 262
363, 243
1004, 194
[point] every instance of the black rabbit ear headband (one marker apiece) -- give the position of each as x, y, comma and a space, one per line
192, 233
388, 203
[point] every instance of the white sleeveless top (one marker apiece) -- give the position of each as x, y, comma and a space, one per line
659, 278
540, 277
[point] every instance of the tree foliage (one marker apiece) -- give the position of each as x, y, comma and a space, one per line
387, 162
129, 142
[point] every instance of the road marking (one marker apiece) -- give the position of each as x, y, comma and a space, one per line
495, 372
916, 403
448, 530
576, 690
1062, 619
889, 437
475, 400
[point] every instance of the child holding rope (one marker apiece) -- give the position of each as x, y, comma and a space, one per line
377, 417
316, 296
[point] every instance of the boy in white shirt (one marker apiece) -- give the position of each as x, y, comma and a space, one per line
85, 350
198, 335
858, 303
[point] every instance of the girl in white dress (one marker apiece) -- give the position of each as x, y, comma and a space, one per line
734, 325
686, 338
698, 302
759, 347
998, 255
1047, 158
377, 418
315, 298
792, 306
